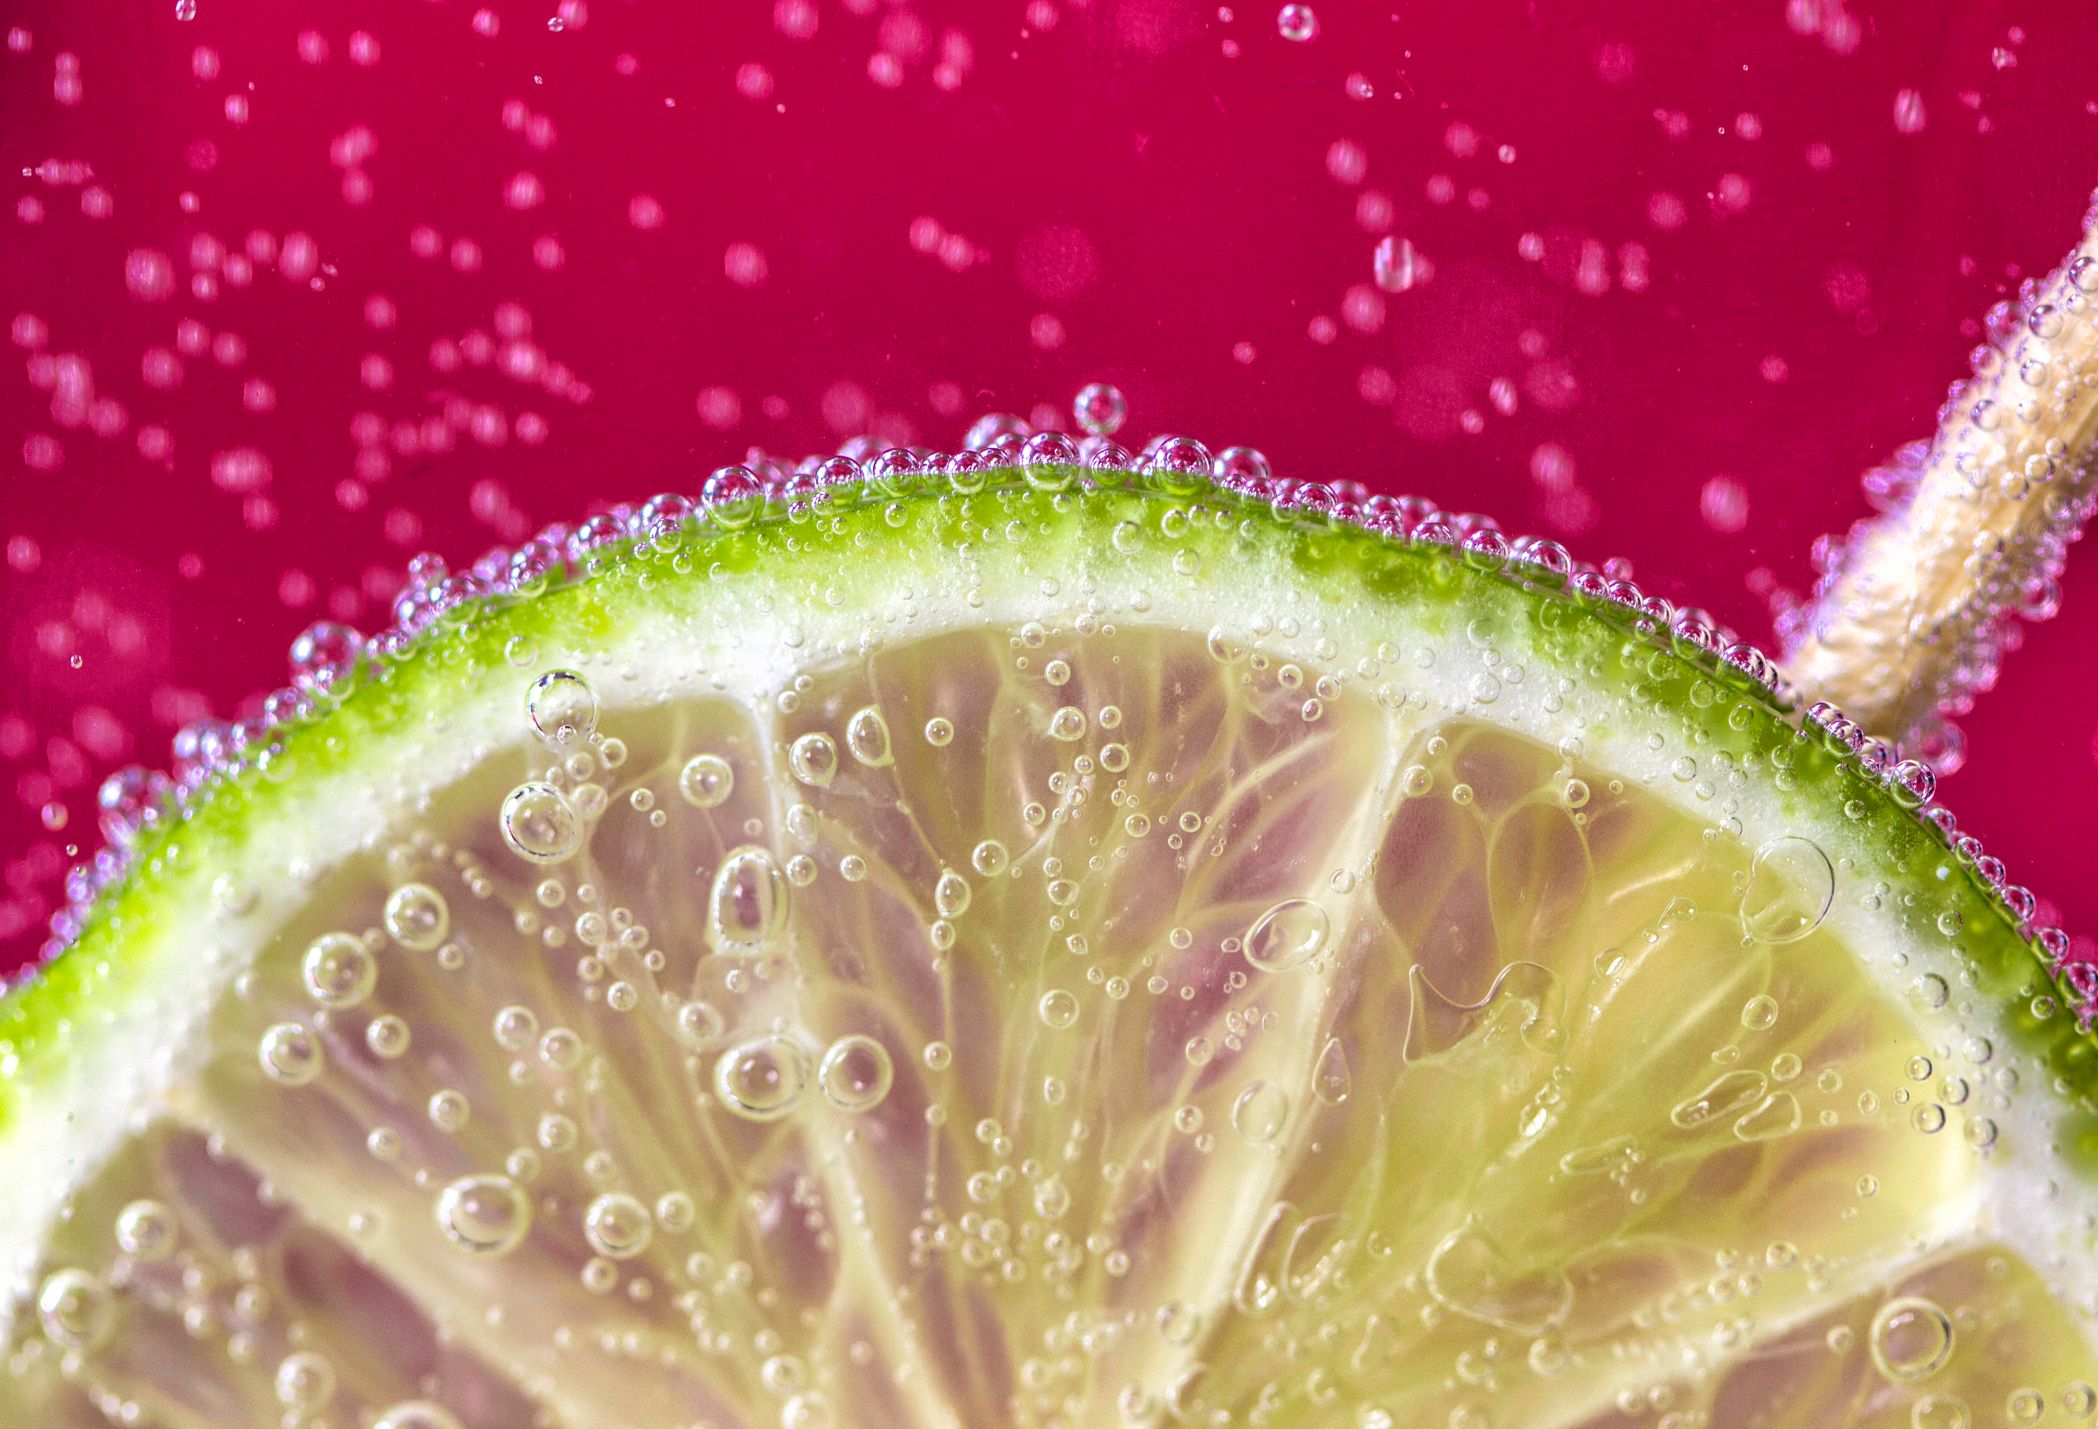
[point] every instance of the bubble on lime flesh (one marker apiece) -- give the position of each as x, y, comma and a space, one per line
1042, 1005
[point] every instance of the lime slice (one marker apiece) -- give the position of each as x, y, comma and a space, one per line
1050, 948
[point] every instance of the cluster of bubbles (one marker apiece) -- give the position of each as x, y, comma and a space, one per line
2019, 377
329, 658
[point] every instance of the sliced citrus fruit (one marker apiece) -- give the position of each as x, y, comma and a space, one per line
1049, 947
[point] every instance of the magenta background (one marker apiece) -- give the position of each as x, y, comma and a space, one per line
1145, 192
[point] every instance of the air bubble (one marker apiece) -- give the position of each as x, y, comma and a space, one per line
618, 1226
748, 901
1911, 1339
483, 1213
305, 1382
146, 1230
813, 759
290, 1054
540, 825
417, 917
1790, 887
855, 1073
338, 970
76, 1310
562, 707
1260, 1112
867, 736
762, 1080
989, 858
706, 781
1058, 1009
1100, 409
416, 1414
1067, 725
950, 896
1288, 935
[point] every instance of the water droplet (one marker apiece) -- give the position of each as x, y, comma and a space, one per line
855, 1073
305, 1382
1331, 1081
1058, 1008
618, 1225
706, 781
338, 970
290, 1054
76, 1309
562, 707
748, 902
483, 1213
867, 736
146, 1230
1911, 1339
813, 758
1260, 1112
1288, 935
540, 825
764, 1079
1790, 887
1100, 409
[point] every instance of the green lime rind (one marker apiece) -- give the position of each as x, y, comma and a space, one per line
855, 549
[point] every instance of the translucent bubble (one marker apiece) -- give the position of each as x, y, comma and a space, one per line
1067, 724
146, 1230
855, 1073
416, 1414
618, 1225
1100, 409
449, 1110
1297, 23
706, 781
989, 858
562, 707
809, 1410
1790, 887
813, 758
764, 1079
700, 1022
733, 496
516, 1028
1260, 1112
417, 916
484, 1215
338, 970
1759, 1012
1394, 264
387, 1036
748, 901
950, 895
1940, 1411
939, 731
76, 1310
1911, 1339
675, 1212
1058, 1008
867, 736
290, 1054
1288, 935
305, 1382
540, 825
1331, 1080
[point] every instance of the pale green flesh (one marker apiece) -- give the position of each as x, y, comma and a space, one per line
1596, 1260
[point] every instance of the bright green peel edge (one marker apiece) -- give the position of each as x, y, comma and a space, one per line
862, 544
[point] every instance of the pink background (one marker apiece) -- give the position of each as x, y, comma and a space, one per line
296, 291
